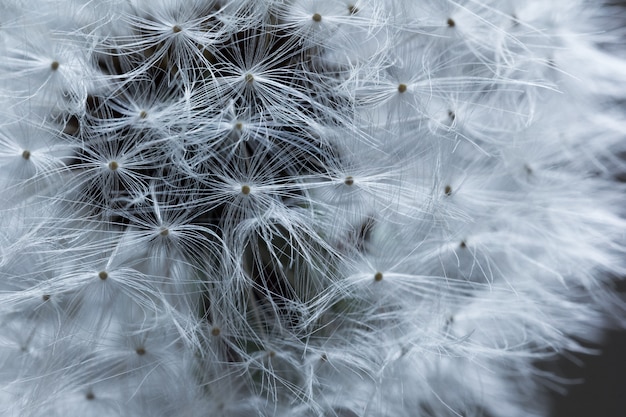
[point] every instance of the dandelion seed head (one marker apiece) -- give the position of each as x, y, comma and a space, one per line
167, 113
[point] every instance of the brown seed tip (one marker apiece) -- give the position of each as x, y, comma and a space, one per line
143, 114
402, 88
103, 275
352, 9
349, 180
238, 125
528, 169
451, 23
451, 115
176, 29
164, 231
140, 351
249, 78
378, 276
245, 189
317, 17
26, 154
90, 396
447, 190
271, 353
463, 245
46, 297
54, 66
215, 331
113, 165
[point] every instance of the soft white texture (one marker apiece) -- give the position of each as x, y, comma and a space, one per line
311, 208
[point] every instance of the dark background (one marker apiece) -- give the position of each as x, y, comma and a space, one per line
603, 394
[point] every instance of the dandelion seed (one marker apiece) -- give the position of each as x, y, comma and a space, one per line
103, 275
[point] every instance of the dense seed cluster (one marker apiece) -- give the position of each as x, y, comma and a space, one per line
303, 207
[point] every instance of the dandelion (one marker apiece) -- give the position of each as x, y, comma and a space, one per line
313, 208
